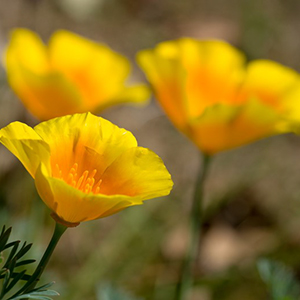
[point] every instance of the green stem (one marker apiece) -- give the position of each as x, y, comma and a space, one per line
186, 280
58, 232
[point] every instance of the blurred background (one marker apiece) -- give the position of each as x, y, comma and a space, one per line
252, 193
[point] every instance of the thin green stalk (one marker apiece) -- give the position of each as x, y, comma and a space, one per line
186, 280
58, 232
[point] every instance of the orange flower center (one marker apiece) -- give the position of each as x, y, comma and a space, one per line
85, 182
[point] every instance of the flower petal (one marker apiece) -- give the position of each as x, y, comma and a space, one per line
26, 145
223, 127
140, 173
44, 92
106, 72
78, 138
269, 82
99, 152
26, 48
214, 71
137, 94
210, 94
74, 206
45, 96
291, 109
166, 76
188, 75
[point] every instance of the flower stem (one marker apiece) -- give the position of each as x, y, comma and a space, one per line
186, 280
58, 232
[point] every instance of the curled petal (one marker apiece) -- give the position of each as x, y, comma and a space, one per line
141, 174
26, 145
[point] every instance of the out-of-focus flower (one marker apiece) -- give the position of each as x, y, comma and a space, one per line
71, 75
85, 167
219, 102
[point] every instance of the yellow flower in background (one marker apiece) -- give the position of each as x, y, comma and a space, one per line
85, 167
70, 75
219, 102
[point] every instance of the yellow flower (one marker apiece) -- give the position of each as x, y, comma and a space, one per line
71, 75
219, 102
85, 167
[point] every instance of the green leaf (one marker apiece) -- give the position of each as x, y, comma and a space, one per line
25, 248
25, 262
280, 280
4, 237
5, 283
11, 244
2, 231
11, 254
108, 292
15, 280
42, 295
43, 287
6, 279
26, 277
30, 296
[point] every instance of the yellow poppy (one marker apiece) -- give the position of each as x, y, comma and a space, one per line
85, 167
70, 75
215, 98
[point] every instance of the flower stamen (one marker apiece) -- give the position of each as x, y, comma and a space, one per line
85, 183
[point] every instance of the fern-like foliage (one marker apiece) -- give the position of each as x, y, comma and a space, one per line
281, 281
13, 271
107, 291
